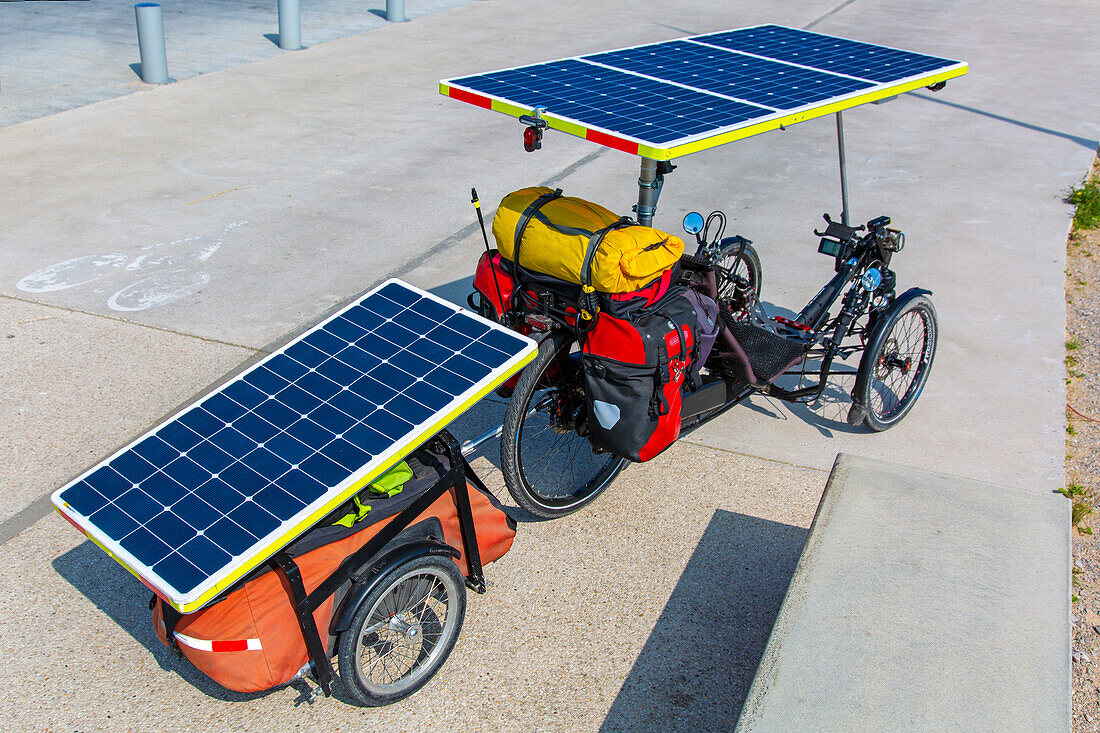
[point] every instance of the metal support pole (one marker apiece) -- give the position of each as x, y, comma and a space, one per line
843, 169
290, 25
647, 192
150, 30
395, 11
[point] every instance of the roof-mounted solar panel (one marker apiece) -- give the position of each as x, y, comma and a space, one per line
665, 100
201, 500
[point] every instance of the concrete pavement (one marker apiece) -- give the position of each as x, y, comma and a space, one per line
922, 602
178, 230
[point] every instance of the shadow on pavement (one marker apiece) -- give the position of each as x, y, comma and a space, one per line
696, 667
123, 599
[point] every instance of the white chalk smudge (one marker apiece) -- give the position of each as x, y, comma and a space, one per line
70, 273
158, 290
167, 267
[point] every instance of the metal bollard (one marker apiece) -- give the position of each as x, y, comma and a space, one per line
150, 30
290, 25
395, 11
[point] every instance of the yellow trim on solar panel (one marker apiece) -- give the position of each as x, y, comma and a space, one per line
741, 133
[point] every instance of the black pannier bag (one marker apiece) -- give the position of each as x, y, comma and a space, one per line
635, 368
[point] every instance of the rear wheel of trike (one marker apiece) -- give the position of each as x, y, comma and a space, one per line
895, 366
404, 630
550, 468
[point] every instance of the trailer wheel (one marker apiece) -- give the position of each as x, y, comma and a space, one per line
404, 630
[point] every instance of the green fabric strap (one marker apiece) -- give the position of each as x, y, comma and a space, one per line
391, 482
388, 484
349, 519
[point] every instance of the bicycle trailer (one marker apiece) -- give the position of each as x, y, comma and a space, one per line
315, 505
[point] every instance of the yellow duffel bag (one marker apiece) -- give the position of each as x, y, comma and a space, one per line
553, 234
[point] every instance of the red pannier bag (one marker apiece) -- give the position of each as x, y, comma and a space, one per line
635, 367
250, 640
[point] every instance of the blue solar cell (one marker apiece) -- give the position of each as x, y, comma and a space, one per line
156, 451
368, 439
482, 354
409, 409
365, 319
195, 512
201, 421
114, 523
220, 407
247, 459
162, 488
205, 555
266, 463
145, 546
429, 396
210, 457
310, 433
278, 414
346, 454
769, 83
278, 502
838, 55
331, 418
434, 311
372, 390
187, 473
180, 573
299, 485
133, 467
411, 363
502, 341
138, 505
255, 428
383, 307
296, 399
323, 469
399, 294
653, 111
285, 367
221, 495
324, 342
338, 372
291, 449
229, 536
84, 498
258, 520
170, 529
390, 425
351, 404
396, 335
243, 394
179, 437
232, 441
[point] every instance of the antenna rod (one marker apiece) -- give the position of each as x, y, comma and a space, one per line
481, 220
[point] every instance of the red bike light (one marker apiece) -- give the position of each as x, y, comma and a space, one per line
532, 139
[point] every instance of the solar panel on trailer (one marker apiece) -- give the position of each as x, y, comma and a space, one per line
202, 499
760, 81
668, 99
839, 55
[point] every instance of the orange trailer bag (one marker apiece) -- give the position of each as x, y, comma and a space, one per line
554, 232
250, 640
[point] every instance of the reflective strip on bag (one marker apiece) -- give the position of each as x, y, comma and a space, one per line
238, 645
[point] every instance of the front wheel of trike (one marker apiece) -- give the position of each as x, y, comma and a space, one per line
549, 466
895, 365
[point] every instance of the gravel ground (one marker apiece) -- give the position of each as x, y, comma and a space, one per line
1083, 463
